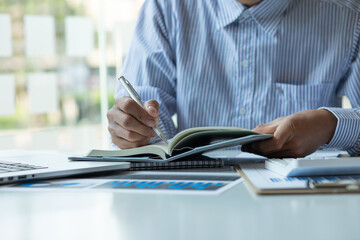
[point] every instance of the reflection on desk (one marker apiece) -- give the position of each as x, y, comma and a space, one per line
211, 181
235, 214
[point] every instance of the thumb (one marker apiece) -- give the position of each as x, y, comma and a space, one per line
152, 108
267, 128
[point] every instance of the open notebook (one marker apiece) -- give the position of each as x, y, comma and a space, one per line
187, 146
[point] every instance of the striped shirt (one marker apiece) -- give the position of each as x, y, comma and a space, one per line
219, 63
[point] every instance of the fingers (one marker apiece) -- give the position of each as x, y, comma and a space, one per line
124, 138
281, 136
296, 135
268, 128
125, 144
152, 108
276, 146
128, 134
130, 125
130, 107
122, 123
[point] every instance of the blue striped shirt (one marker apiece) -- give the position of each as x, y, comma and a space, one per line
218, 63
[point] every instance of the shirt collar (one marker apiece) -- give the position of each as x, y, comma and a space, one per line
228, 11
267, 14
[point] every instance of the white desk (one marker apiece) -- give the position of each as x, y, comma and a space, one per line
235, 214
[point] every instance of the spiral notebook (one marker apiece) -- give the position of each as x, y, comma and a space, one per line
199, 162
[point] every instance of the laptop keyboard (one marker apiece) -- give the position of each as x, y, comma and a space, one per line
6, 167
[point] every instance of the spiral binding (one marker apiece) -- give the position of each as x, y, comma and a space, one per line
181, 164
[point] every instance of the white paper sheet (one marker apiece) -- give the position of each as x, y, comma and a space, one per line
6, 49
7, 94
166, 184
265, 179
79, 36
39, 35
42, 92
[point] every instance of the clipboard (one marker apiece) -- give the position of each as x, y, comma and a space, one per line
308, 185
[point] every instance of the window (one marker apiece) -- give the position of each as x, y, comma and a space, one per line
58, 66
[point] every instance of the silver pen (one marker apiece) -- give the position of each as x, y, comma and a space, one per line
135, 96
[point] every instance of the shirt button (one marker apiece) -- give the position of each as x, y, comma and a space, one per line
280, 91
245, 63
242, 110
246, 15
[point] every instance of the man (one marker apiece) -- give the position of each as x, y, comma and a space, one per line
244, 63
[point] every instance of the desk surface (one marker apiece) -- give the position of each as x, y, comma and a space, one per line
235, 214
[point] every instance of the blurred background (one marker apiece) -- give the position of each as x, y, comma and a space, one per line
58, 65
59, 60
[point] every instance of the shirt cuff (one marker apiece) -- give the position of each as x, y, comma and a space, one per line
347, 133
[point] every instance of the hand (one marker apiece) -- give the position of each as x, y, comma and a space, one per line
296, 135
130, 125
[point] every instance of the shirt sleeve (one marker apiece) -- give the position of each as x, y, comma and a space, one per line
347, 133
150, 64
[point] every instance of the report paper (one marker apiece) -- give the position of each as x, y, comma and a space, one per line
167, 182
264, 179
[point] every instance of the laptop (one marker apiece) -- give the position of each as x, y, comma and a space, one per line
23, 165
